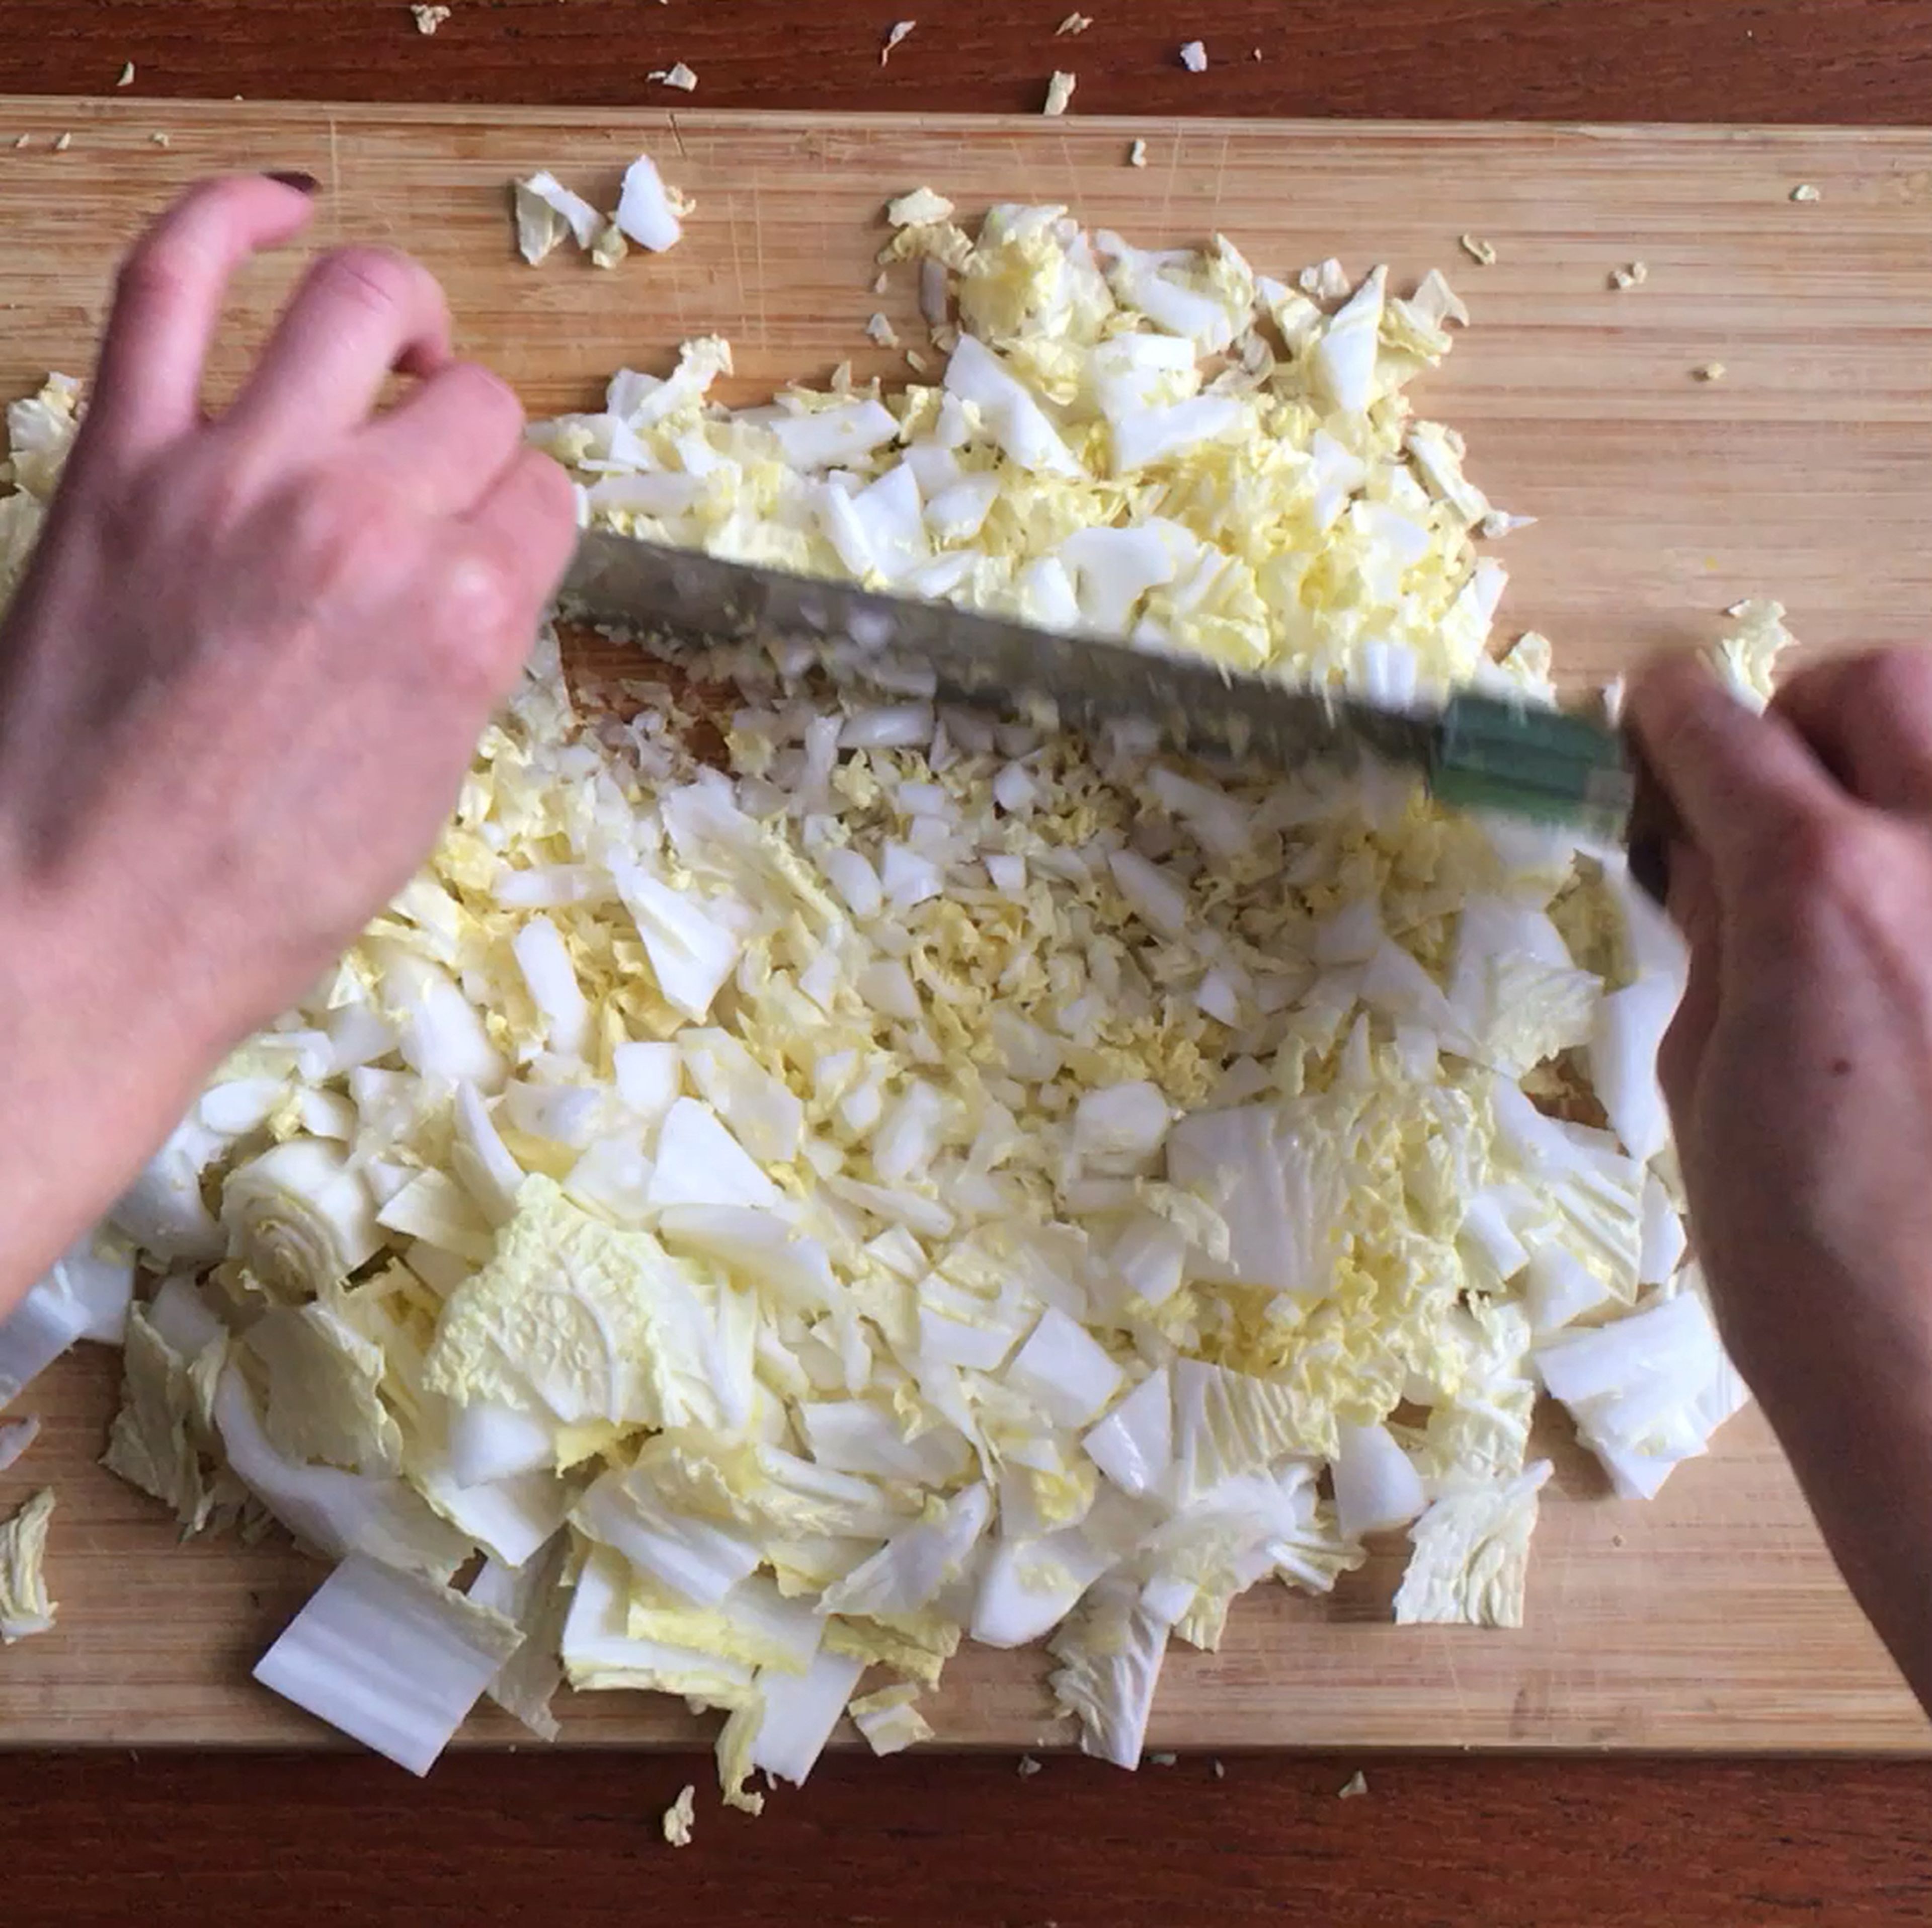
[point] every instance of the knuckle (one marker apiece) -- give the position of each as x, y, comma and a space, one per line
1894, 682
481, 606
1693, 734
226, 497
488, 406
378, 280
341, 530
1823, 853
554, 494
157, 271
489, 393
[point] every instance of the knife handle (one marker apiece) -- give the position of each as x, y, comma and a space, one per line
1497, 752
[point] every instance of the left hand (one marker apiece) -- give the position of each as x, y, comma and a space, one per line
241, 682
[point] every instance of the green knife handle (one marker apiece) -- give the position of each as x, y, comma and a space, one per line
1490, 753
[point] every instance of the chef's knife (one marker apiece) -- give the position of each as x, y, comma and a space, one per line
1475, 751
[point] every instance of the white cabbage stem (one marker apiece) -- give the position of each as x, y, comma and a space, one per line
299, 1218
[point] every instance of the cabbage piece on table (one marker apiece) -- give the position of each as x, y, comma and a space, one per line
25, 1607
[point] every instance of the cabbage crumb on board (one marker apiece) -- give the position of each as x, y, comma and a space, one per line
25, 1608
680, 1816
648, 213
800, 1180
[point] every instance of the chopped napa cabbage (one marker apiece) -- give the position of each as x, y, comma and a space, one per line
1134, 1444
336, 1512
1471, 1556
698, 1559
587, 1323
163, 1213
25, 1608
600, 1650
1110, 1654
908, 1572
1647, 1391
755, 1624
509, 1519
1027, 1586
916, 1645
699, 1162
890, 1720
1747, 657
324, 1398
679, 1816
798, 1713
546, 211
300, 1217
647, 211
1376, 1484
163, 1439
1063, 1370
393, 1659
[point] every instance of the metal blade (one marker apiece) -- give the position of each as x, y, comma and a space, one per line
673, 598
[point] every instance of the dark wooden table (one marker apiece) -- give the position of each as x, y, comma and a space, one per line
965, 1842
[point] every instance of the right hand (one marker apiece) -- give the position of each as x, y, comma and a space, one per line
1799, 1075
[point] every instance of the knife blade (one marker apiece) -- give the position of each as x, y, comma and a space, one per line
1476, 752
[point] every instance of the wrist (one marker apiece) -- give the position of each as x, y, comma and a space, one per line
1855, 1420
100, 1061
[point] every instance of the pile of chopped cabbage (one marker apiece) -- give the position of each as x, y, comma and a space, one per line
800, 1180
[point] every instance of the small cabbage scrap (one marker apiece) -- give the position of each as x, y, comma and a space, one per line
1747, 658
25, 1608
546, 211
647, 213
890, 1720
679, 1816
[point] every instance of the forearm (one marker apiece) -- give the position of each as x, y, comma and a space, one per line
99, 1064
1855, 1418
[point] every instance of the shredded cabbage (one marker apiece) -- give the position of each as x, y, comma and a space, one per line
901, 1172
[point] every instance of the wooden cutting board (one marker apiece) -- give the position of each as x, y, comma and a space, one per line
1711, 1618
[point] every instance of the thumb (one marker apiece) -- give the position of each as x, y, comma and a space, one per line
1693, 904
1740, 782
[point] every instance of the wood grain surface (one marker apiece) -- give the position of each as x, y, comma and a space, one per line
1805, 472
964, 1842
1785, 60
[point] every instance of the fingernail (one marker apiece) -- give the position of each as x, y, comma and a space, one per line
303, 184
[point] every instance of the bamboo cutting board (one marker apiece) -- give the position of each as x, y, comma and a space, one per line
1711, 1618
